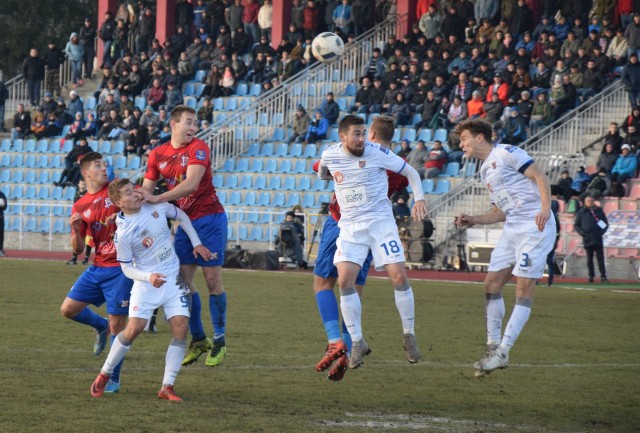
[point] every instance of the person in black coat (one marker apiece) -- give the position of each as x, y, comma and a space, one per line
87, 34
631, 79
3, 207
591, 223
33, 73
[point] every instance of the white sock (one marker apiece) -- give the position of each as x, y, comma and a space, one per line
352, 314
494, 311
406, 308
173, 360
518, 319
119, 349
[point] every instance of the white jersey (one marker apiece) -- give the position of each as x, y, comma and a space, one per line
144, 239
361, 182
511, 191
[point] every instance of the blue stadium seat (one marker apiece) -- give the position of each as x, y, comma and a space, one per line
417, 117
249, 199
30, 177
342, 103
246, 181
440, 135
260, 182
5, 176
14, 225
277, 119
6, 190
104, 148
218, 104
199, 89
90, 103
30, 209
318, 184
219, 117
56, 193
30, 161
222, 196
134, 163
18, 145
231, 104
470, 168
44, 191
275, 182
42, 162
425, 135
69, 193
272, 166
251, 217
231, 181
396, 135
453, 169
201, 74
30, 193
17, 161
350, 90
120, 163
228, 166
30, 146
58, 225
57, 211
267, 150
289, 183
5, 146
253, 150
44, 225
66, 146
300, 167
310, 151
189, 89
243, 233
293, 200
5, 160
281, 150
255, 89
264, 199
31, 225
140, 102
43, 210
427, 186
190, 102
43, 177
278, 200
56, 161
278, 134
304, 184
296, 150
43, 146
218, 180
54, 146
242, 89
324, 198
308, 200
242, 165
234, 198
16, 176
256, 165
443, 186
285, 166
409, 134
118, 147
65, 131
230, 232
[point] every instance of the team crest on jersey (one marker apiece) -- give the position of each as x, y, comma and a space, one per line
107, 203
185, 161
338, 177
493, 164
362, 164
124, 303
147, 242
163, 165
200, 154
155, 214
86, 213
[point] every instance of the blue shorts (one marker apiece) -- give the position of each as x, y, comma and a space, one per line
212, 230
324, 267
97, 285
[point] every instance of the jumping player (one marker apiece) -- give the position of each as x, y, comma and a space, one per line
521, 197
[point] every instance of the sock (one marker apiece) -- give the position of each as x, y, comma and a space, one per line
494, 313
195, 321
218, 309
518, 319
352, 312
88, 317
173, 360
346, 337
406, 308
115, 358
328, 308
115, 375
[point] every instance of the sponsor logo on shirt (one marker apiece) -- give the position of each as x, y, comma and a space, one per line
338, 177
185, 161
200, 154
97, 200
86, 213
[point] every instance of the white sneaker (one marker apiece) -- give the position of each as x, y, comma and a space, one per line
359, 350
487, 352
496, 360
411, 348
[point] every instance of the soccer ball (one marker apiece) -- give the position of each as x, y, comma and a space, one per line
327, 47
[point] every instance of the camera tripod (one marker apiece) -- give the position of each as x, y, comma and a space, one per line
455, 256
322, 218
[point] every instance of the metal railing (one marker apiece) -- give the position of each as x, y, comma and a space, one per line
259, 119
554, 148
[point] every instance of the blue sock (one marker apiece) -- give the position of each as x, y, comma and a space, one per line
88, 317
115, 376
328, 308
218, 309
195, 321
346, 337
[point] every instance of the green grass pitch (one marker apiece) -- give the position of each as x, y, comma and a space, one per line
575, 368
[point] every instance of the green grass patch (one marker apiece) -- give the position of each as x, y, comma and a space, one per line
575, 367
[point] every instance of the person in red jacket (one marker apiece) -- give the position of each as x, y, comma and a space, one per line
311, 20
250, 19
500, 87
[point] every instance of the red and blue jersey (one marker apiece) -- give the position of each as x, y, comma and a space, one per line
171, 164
96, 211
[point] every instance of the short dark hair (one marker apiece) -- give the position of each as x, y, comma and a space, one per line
176, 113
475, 127
347, 121
385, 127
88, 159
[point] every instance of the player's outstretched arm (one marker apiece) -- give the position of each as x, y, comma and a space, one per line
494, 215
419, 210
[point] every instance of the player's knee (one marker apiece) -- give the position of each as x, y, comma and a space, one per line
117, 324
492, 286
67, 311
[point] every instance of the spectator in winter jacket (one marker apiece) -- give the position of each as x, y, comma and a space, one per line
342, 17
300, 125
436, 162
631, 79
625, 167
33, 73
591, 223
330, 110
311, 19
318, 128
53, 59
607, 159
632, 35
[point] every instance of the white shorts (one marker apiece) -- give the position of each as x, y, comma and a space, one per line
172, 296
524, 247
381, 236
